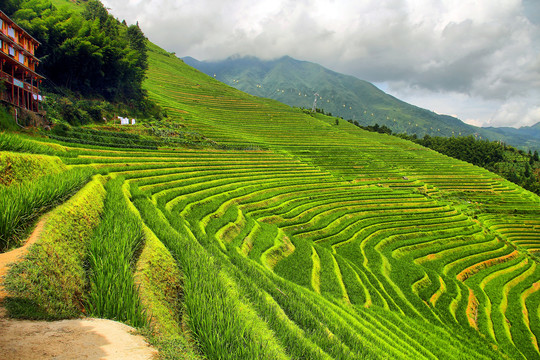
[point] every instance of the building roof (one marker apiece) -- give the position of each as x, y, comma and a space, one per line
14, 24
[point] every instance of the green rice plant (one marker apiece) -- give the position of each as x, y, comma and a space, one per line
263, 240
50, 282
103, 144
19, 143
160, 286
219, 321
516, 313
21, 203
357, 290
112, 255
331, 280
532, 303
19, 167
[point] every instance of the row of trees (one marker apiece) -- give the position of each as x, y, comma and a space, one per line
373, 128
478, 152
88, 53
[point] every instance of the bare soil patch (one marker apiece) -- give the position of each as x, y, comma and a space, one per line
71, 339
66, 339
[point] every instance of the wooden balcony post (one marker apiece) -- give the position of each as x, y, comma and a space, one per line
37, 85
12, 85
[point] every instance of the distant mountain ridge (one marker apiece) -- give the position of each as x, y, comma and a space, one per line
295, 82
524, 137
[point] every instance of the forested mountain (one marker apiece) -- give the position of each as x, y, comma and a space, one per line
524, 137
295, 82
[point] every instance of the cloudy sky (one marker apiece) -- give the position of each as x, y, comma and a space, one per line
478, 60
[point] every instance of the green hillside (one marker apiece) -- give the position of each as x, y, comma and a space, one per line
278, 235
295, 82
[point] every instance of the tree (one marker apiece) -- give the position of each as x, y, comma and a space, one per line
95, 10
527, 172
92, 54
10, 6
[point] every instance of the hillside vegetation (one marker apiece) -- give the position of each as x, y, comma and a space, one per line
515, 165
288, 235
93, 64
295, 82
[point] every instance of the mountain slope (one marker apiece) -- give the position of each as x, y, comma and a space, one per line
525, 137
293, 235
295, 82
384, 224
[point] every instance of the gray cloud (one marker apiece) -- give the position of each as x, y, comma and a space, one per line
477, 60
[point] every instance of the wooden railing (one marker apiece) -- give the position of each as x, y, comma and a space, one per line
10, 80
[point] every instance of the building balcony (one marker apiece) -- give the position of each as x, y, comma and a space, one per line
19, 83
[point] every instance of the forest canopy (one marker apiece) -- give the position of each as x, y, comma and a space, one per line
88, 53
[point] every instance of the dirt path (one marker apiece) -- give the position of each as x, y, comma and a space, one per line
66, 339
71, 339
15, 255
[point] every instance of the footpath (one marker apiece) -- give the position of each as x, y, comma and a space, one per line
84, 338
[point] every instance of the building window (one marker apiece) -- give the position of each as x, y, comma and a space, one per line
21, 58
11, 32
11, 51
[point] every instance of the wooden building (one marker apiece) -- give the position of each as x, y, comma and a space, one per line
18, 66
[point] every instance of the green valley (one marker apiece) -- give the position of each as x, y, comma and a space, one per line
253, 230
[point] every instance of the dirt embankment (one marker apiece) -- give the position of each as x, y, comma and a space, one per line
66, 339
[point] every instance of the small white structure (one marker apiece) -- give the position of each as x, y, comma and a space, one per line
123, 120
314, 108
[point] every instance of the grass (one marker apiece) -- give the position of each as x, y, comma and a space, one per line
18, 168
19, 143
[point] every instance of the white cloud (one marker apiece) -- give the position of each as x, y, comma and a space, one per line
517, 111
476, 59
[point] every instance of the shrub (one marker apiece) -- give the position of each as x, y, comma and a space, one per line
6, 120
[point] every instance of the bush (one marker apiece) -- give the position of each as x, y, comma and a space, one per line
61, 129
6, 120
71, 112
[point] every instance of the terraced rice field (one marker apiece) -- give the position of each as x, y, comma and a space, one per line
335, 242
364, 220
377, 262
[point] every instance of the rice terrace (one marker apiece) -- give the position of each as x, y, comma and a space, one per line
237, 227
